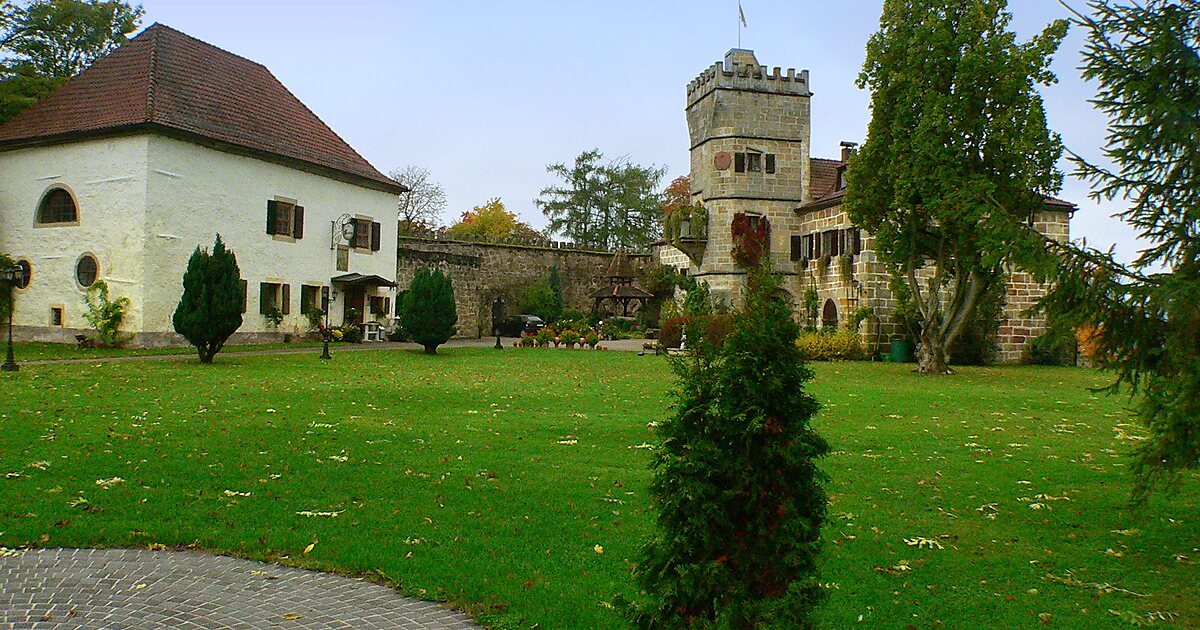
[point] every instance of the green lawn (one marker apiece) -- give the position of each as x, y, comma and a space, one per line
514, 483
39, 351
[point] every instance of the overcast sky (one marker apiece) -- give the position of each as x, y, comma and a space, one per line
485, 94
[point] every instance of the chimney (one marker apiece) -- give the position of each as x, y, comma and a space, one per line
848, 150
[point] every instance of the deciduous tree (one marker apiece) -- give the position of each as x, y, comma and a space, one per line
213, 301
493, 221
1143, 320
958, 156
610, 206
45, 42
419, 209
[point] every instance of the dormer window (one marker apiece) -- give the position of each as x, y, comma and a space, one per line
57, 208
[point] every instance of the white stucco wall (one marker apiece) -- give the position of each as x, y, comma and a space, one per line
147, 201
195, 192
108, 180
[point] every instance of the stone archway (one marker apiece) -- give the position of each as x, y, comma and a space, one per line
829, 315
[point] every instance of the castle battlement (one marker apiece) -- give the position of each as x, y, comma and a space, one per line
741, 71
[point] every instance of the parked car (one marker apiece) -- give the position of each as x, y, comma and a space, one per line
521, 325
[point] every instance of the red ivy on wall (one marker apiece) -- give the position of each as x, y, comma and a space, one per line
751, 239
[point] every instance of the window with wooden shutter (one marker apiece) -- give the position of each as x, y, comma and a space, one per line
266, 297
808, 247
272, 215
797, 245
376, 236
739, 162
754, 162
245, 293
771, 163
362, 233
856, 241
286, 299
816, 243
298, 222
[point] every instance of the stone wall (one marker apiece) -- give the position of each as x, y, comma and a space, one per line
738, 107
482, 271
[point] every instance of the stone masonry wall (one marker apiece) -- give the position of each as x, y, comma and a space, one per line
481, 271
738, 106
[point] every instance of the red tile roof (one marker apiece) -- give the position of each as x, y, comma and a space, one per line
822, 176
825, 193
166, 81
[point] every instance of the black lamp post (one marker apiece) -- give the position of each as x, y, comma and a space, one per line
325, 334
11, 277
498, 312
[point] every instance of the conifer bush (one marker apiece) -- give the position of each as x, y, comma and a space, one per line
739, 496
213, 301
429, 310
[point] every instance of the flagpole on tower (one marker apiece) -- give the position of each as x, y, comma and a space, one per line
741, 22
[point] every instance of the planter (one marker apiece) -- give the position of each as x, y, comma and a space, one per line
902, 351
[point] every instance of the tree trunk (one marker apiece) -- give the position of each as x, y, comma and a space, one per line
431, 349
931, 355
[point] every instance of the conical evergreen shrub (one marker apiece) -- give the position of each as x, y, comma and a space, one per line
430, 312
213, 300
740, 498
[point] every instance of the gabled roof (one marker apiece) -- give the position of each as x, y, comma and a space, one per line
822, 176
166, 81
825, 193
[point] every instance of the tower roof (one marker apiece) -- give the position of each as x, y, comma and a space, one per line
169, 82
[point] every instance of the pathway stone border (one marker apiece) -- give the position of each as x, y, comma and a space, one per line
136, 588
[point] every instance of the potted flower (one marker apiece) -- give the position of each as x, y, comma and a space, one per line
570, 337
591, 339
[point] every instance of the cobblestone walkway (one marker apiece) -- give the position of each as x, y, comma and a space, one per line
133, 589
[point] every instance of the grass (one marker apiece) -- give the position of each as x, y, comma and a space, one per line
41, 351
490, 479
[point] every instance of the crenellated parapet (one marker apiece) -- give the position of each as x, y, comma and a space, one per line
741, 71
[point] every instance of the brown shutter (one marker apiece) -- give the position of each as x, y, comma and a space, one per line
857, 241
376, 236
245, 294
387, 306
298, 222
796, 245
264, 291
770, 162
286, 307
739, 162
272, 212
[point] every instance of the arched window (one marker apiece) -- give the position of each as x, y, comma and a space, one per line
87, 270
57, 206
829, 315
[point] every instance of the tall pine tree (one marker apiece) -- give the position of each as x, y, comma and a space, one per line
213, 300
740, 498
1145, 59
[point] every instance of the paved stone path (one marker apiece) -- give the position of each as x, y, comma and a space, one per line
135, 589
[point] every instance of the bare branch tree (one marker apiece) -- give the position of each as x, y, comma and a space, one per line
420, 209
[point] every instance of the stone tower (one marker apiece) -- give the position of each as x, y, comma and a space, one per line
749, 130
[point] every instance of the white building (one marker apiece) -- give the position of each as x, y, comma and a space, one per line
153, 151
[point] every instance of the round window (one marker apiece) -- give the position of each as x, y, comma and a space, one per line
26, 274
87, 270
